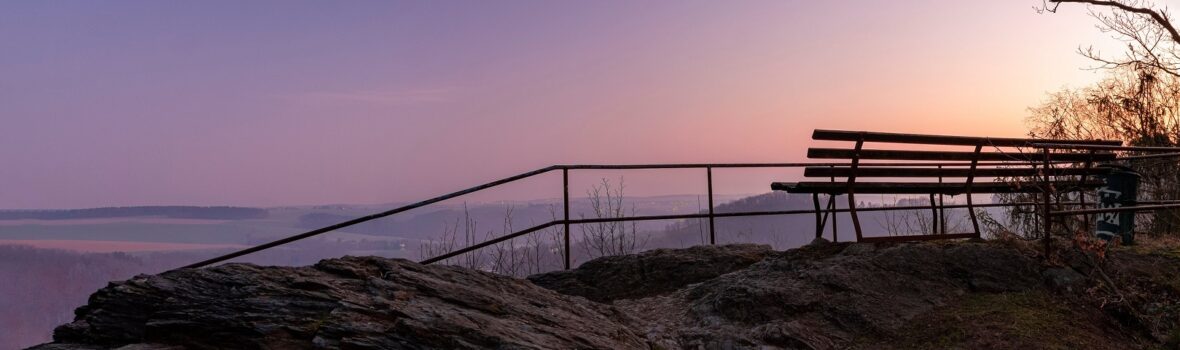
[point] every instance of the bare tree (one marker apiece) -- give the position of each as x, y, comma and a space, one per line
1138, 102
557, 238
450, 241
506, 258
918, 221
614, 237
1141, 107
443, 245
907, 222
541, 251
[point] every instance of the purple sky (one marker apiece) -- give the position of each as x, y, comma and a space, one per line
302, 102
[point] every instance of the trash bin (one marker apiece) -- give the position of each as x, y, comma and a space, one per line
1120, 190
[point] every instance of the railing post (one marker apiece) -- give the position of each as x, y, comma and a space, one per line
565, 181
712, 234
1086, 218
1046, 196
967, 192
941, 211
832, 206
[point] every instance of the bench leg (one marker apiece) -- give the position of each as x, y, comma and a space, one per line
941, 214
852, 212
860, 142
933, 215
971, 212
971, 180
822, 220
835, 223
819, 225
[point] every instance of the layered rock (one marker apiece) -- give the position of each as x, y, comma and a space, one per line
347, 303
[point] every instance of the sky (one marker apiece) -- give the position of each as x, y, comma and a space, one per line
269, 103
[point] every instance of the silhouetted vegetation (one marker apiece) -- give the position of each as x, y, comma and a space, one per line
1138, 102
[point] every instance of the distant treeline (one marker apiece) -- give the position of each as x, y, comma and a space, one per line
174, 212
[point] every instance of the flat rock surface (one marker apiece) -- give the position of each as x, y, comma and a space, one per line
651, 273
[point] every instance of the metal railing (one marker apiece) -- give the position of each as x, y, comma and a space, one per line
1139, 206
1042, 159
566, 221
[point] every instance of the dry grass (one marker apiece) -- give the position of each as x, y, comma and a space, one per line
1026, 320
1168, 245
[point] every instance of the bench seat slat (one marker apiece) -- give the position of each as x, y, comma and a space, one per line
843, 135
817, 171
950, 188
839, 153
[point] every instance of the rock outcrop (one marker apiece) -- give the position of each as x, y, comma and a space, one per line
347, 303
823, 296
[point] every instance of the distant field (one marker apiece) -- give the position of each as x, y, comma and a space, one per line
144, 220
113, 246
237, 232
187, 228
174, 211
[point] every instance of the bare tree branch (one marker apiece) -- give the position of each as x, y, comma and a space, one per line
1160, 17
1152, 41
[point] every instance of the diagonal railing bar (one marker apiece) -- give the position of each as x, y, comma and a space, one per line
362, 219
489, 242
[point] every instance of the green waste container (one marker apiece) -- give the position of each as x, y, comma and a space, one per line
1120, 190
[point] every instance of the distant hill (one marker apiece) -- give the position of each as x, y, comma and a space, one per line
429, 223
790, 231
173, 212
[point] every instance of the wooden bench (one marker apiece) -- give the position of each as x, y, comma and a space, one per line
1030, 164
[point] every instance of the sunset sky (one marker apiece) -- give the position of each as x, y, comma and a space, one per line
266, 103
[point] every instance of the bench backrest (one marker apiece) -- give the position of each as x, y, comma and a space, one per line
1004, 157
1018, 158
